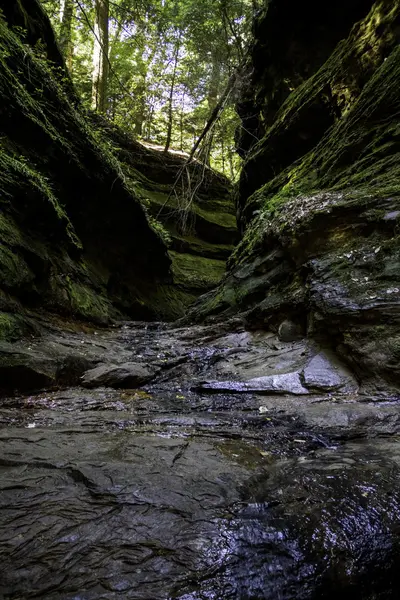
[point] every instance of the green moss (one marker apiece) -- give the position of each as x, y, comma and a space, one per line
196, 272
358, 157
223, 217
159, 229
85, 302
12, 327
170, 302
164, 302
39, 96
14, 272
9, 232
353, 152
17, 174
55, 134
223, 298
199, 247
336, 81
26, 91
251, 242
361, 154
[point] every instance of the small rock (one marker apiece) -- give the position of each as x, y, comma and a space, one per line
71, 369
326, 373
289, 331
24, 373
286, 383
127, 375
391, 216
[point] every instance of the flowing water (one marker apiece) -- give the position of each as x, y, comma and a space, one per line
167, 492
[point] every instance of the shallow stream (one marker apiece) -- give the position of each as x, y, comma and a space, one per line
168, 491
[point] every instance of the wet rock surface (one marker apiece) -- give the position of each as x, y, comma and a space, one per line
279, 384
326, 373
165, 492
127, 375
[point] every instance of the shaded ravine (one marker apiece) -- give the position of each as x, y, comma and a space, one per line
170, 491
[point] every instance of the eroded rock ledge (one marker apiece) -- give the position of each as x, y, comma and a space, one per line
321, 217
202, 228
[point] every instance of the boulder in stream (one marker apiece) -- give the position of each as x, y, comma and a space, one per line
127, 375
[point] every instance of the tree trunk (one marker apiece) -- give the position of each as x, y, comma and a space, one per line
212, 98
139, 115
181, 119
171, 95
65, 41
113, 84
229, 24
231, 167
214, 85
150, 117
100, 57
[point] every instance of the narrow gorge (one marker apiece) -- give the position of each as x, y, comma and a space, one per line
199, 378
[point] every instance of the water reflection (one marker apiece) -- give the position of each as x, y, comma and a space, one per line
115, 495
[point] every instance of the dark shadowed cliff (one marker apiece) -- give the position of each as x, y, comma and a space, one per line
76, 236
319, 197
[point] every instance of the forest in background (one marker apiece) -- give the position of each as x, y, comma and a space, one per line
158, 68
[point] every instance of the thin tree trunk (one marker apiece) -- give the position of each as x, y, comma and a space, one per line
148, 47
100, 57
171, 96
214, 86
228, 24
113, 83
212, 98
181, 119
149, 121
230, 156
65, 40
211, 121
113, 107
140, 113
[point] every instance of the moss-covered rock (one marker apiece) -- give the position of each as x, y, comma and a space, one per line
321, 244
14, 326
311, 125
69, 222
193, 272
200, 231
78, 235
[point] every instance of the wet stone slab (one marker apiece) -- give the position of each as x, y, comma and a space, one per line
165, 492
111, 511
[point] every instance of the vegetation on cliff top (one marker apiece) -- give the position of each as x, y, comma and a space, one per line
158, 67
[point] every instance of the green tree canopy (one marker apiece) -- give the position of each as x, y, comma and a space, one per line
158, 67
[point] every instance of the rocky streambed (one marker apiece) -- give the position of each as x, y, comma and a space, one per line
194, 463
